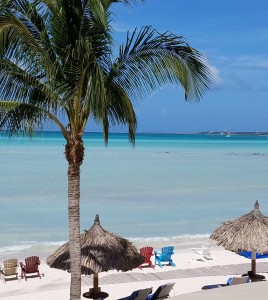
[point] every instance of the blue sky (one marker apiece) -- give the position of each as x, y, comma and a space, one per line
233, 35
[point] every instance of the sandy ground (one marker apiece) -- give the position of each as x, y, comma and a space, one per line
55, 283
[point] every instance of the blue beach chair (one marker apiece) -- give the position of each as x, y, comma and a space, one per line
164, 256
141, 294
247, 254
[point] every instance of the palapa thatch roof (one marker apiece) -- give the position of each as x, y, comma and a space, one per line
248, 233
101, 251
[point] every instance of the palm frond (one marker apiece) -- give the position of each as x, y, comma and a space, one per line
17, 83
126, 2
25, 119
96, 29
16, 38
20, 118
150, 60
121, 111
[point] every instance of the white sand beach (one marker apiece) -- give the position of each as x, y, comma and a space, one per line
189, 276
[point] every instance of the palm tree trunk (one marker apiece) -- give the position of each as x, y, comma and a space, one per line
74, 229
74, 153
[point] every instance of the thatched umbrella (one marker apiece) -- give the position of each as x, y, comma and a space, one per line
247, 233
101, 251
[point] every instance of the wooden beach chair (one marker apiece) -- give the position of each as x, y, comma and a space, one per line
9, 269
31, 266
164, 256
147, 253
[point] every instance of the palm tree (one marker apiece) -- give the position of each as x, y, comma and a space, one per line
56, 64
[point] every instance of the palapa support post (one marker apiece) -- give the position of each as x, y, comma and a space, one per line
96, 288
252, 274
253, 262
95, 292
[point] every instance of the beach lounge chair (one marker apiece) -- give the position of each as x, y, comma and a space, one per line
203, 252
31, 266
247, 254
164, 256
162, 291
147, 252
230, 281
139, 294
9, 269
208, 244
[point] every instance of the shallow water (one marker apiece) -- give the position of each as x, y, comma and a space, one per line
168, 189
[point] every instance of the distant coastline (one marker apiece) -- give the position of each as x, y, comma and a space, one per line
4, 133
234, 132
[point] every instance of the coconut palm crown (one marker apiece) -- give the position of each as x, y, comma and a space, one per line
57, 65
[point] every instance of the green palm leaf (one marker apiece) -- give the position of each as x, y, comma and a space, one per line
150, 60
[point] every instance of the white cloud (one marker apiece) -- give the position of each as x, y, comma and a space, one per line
237, 82
121, 28
252, 61
217, 81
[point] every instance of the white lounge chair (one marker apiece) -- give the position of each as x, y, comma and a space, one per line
208, 244
204, 252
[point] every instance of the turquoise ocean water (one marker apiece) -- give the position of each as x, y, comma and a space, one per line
169, 189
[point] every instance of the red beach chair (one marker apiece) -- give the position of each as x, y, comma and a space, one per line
31, 266
147, 252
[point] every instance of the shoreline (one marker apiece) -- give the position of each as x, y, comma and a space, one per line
44, 249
